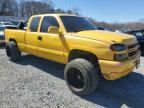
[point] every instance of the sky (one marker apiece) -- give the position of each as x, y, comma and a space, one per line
106, 10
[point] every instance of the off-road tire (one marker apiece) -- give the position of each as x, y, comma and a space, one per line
13, 51
90, 76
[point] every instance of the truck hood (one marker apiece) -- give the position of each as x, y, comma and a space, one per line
105, 36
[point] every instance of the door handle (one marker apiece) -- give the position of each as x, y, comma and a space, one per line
40, 38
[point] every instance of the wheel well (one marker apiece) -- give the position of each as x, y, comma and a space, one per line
74, 54
13, 40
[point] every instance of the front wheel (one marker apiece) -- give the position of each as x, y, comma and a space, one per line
12, 51
81, 76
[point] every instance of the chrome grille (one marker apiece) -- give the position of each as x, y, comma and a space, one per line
132, 46
132, 54
132, 50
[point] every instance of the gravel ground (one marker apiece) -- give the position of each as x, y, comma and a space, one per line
38, 83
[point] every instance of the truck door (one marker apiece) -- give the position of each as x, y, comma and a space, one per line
50, 45
31, 37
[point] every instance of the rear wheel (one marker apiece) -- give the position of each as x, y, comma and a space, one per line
12, 51
81, 76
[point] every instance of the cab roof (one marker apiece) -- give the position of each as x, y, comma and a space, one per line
54, 15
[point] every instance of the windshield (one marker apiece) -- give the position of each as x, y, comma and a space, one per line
76, 24
143, 33
7, 23
15, 22
139, 33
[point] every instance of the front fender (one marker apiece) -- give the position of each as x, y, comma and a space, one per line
101, 52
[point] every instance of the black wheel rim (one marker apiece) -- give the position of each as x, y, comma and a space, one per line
75, 78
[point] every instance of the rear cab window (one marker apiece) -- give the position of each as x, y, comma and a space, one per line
34, 24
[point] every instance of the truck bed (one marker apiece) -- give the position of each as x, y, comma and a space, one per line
19, 35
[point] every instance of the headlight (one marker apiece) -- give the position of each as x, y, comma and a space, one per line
120, 57
118, 47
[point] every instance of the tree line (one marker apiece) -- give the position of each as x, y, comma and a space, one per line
26, 8
120, 26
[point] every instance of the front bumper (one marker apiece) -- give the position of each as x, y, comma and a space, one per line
113, 70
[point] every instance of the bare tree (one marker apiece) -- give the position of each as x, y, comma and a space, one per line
74, 11
59, 11
9, 7
2, 7
29, 8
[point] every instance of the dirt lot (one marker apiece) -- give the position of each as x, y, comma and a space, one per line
38, 83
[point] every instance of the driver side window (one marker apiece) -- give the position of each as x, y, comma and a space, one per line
47, 22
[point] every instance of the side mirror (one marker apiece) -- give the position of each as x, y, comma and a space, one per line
54, 30
25, 28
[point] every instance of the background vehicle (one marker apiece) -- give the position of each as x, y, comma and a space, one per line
2, 38
17, 22
20, 23
6, 24
140, 37
100, 28
74, 41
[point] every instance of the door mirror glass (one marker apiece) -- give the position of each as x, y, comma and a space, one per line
25, 28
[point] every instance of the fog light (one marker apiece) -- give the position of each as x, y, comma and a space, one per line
120, 57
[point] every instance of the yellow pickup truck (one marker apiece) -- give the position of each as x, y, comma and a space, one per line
76, 42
